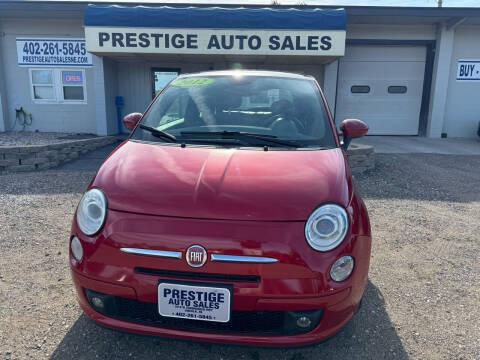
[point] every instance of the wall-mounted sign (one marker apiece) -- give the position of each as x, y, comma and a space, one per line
209, 41
468, 70
52, 52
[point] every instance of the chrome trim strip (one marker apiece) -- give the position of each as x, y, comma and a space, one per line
149, 252
242, 259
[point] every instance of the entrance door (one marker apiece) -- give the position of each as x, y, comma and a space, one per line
382, 85
161, 77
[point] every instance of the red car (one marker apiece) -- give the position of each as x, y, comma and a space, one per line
228, 215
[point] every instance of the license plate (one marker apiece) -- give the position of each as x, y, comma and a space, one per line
195, 302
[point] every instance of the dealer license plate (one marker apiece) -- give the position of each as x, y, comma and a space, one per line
194, 302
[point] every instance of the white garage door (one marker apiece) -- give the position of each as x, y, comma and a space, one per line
382, 85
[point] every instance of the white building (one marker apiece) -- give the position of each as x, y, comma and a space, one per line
405, 71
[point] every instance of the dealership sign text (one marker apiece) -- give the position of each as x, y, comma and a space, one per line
207, 41
52, 52
468, 70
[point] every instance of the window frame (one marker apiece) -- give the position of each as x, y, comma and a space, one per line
161, 69
360, 92
59, 96
51, 85
397, 86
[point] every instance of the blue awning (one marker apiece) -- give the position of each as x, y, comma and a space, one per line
215, 18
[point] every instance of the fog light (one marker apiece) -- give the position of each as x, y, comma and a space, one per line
304, 322
342, 268
103, 303
97, 302
301, 322
77, 249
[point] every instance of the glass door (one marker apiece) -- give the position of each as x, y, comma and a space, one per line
161, 77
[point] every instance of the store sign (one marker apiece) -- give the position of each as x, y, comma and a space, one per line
209, 41
72, 77
468, 70
52, 52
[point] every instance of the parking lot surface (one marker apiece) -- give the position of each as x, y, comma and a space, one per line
422, 299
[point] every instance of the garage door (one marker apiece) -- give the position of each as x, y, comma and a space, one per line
382, 85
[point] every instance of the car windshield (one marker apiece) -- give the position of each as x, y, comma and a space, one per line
244, 110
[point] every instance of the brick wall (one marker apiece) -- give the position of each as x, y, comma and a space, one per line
361, 158
40, 157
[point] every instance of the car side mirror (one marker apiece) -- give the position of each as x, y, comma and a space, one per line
131, 120
352, 128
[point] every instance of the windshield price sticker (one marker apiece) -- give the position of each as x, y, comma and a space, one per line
194, 302
192, 82
52, 52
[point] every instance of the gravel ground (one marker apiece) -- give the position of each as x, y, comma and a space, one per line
22, 138
422, 299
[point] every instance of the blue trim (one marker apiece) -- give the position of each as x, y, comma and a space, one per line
56, 65
215, 18
47, 39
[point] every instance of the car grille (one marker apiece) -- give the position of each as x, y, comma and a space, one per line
197, 275
241, 322
258, 322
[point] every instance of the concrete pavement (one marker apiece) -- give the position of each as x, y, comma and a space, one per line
417, 144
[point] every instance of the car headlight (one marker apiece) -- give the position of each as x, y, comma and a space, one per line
326, 227
92, 211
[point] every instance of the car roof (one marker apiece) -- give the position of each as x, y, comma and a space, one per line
266, 73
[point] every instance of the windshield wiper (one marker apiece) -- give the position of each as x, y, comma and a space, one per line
271, 139
158, 133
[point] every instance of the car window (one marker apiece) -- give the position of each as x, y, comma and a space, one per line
175, 111
264, 98
285, 108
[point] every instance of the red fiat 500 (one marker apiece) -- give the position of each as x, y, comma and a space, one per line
228, 215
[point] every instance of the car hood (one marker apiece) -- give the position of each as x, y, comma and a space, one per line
221, 183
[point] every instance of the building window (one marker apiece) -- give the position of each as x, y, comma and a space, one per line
360, 89
397, 89
72, 84
42, 84
58, 86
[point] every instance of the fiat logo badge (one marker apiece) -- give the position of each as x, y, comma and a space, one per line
196, 256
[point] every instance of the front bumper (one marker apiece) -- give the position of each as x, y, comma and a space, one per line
299, 281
